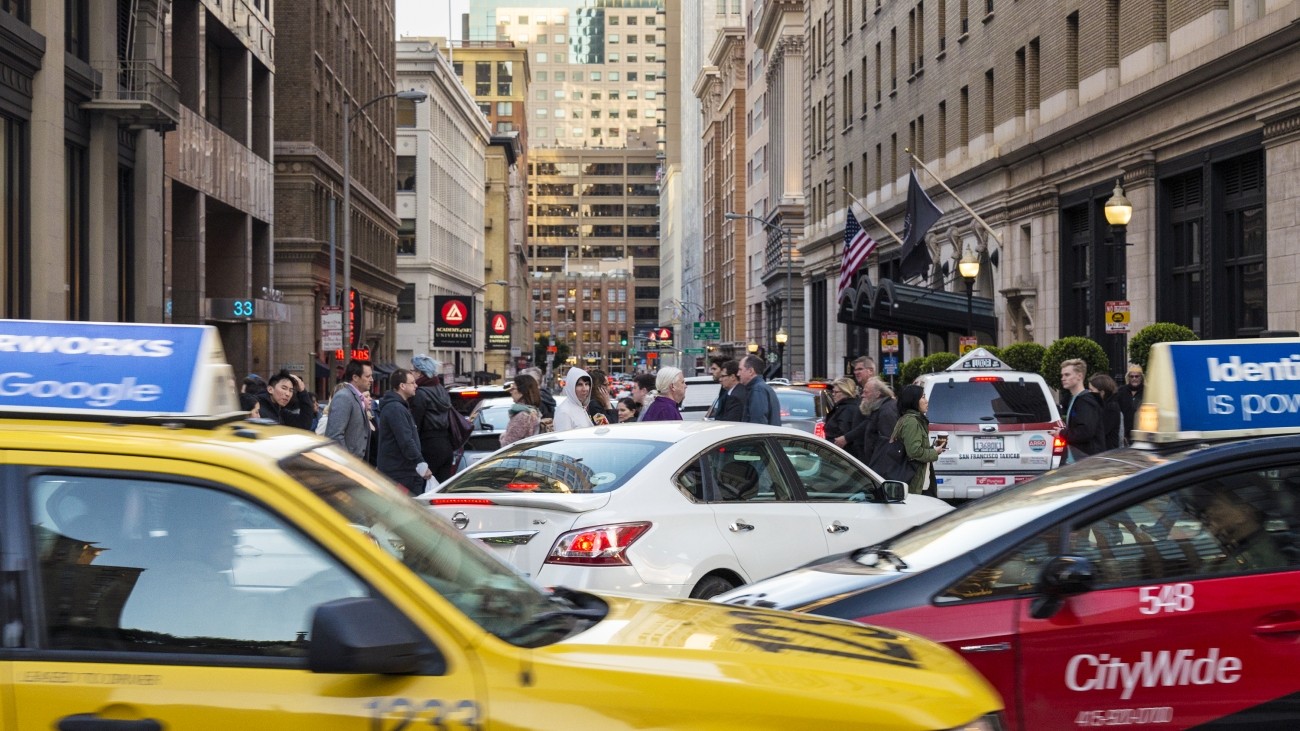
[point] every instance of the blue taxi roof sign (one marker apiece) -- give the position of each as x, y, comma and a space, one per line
1220, 389
114, 371
979, 359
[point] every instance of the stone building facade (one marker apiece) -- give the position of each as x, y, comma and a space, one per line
1031, 113
337, 51
135, 174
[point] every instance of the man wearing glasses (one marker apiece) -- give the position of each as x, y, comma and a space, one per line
1130, 397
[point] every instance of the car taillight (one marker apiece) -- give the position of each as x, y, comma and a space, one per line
819, 429
986, 379
460, 501
1058, 446
602, 545
523, 486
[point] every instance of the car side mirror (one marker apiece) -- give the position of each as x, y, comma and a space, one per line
367, 636
890, 491
1062, 577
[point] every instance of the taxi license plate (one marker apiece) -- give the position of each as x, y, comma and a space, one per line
988, 444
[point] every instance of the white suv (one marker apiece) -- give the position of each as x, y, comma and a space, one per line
1002, 426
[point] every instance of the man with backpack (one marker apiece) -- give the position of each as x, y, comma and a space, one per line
433, 413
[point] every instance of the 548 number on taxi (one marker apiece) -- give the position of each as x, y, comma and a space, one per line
1165, 598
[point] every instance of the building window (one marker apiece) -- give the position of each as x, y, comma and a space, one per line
482, 78
405, 113
505, 109
1211, 239
406, 237
75, 34
125, 245
406, 304
77, 231
17, 8
505, 78
405, 173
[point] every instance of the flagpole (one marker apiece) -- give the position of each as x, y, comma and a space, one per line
873, 216
955, 197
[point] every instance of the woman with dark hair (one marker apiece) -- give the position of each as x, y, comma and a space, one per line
913, 431
1112, 419
601, 407
525, 414
628, 410
844, 413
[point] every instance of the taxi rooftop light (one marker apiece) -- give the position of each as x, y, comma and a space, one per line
116, 372
1220, 389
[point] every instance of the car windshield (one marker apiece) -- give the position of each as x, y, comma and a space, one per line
1009, 401
494, 414
797, 404
488, 591
561, 465
974, 524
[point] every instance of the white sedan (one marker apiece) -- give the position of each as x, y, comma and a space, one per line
675, 509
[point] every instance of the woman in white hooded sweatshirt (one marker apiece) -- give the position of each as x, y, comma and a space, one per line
572, 413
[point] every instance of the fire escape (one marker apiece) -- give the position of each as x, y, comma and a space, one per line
133, 87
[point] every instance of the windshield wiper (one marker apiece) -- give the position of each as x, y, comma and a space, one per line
568, 606
871, 555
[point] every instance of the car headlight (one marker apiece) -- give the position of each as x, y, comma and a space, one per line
991, 722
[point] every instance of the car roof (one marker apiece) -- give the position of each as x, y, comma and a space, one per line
673, 431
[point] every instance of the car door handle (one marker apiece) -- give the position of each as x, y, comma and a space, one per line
836, 527
91, 722
994, 647
1278, 628
740, 526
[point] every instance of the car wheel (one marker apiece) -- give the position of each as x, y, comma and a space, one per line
711, 586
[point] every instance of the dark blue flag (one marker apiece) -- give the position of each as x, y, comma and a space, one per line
922, 213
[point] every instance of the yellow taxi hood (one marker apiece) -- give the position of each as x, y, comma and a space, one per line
755, 667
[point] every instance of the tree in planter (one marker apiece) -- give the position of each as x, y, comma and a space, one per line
936, 362
1067, 349
1024, 356
1139, 346
911, 369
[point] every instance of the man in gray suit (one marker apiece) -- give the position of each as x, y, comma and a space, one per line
349, 420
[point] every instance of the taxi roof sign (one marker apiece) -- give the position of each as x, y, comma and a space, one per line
115, 370
978, 359
1221, 389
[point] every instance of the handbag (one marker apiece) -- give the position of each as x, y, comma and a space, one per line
895, 465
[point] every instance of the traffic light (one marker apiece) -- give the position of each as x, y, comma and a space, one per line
622, 338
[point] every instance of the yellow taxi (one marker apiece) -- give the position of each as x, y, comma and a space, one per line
167, 564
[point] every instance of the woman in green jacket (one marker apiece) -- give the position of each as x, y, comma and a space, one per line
913, 431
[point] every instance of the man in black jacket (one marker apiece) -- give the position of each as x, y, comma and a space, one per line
733, 396
1083, 428
287, 400
1130, 398
431, 409
399, 456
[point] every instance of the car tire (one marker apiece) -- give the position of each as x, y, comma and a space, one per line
710, 586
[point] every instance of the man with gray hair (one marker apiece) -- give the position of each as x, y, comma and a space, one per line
548, 400
763, 406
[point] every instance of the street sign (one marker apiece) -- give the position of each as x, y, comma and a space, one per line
331, 328
453, 325
968, 343
1117, 317
888, 341
710, 330
693, 351
664, 337
889, 365
498, 331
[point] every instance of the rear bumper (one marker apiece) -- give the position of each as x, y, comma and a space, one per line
975, 485
607, 579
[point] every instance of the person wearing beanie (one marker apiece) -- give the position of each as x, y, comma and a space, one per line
431, 407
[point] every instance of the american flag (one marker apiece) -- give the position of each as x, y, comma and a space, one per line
858, 245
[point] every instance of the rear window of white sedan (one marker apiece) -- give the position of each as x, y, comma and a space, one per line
559, 466
987, 402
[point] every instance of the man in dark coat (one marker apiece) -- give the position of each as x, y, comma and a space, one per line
762, 405
287, 400
1083, 432
880, 414
431, 407
733, 395
1130, 398
399, 456
864, 369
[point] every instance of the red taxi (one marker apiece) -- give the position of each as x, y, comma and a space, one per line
1150, 586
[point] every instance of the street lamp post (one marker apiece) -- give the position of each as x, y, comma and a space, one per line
1118, 212
414, 95
789, 276
970, 269
781, 337
473, 349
